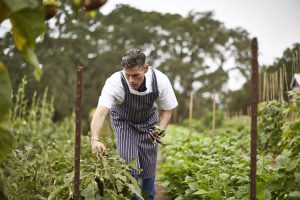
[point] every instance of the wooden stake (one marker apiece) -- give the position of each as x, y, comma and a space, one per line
299, 59
191, 112
276, 86
264, 86
271, 85
267, 87
293, 71
213, 111
280, 85
285, 77
260, 86
296, 62
275, 89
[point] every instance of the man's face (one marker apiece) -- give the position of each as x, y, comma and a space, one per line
135, 75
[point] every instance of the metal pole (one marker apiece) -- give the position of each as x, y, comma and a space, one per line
254, 95
77, 134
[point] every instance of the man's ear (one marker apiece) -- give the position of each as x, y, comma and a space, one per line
146, 67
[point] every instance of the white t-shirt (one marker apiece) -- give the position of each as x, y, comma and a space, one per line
113, 91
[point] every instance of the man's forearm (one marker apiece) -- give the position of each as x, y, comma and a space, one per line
96, 127
164, 118
98, 121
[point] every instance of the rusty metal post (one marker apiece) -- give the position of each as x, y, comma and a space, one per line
77, 134
254, 94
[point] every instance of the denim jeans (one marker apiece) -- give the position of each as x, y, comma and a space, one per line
148, 188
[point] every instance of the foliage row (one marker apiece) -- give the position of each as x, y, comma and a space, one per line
42, 165
215, 165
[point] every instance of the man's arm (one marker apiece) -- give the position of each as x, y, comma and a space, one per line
96, 126
164, 118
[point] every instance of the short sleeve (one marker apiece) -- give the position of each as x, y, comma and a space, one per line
166, 99
112, 92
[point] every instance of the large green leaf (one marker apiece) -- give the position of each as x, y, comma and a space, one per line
7, 142
27, 18
28, 24
5, 93
31, 57
3, 195
17, 5
90, 191
6, 138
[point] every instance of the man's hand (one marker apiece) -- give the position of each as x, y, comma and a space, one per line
156, 134
98, 147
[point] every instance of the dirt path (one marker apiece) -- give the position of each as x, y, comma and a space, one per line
160, 192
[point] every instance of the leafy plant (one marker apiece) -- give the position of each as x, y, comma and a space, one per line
285, 169
206, 166
272, 116
215, 165
41, 167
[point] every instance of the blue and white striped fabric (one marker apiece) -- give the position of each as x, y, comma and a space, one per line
132, 121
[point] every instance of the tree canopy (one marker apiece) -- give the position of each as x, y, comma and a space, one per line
194, 52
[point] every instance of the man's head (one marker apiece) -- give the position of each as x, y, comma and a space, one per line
134, 66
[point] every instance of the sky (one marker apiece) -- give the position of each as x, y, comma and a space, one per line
275, 23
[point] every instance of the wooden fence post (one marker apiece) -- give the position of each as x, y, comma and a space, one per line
213, 111
191, 112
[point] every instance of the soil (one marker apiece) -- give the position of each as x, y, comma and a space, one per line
161, 193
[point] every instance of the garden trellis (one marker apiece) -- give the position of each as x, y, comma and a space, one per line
276, 82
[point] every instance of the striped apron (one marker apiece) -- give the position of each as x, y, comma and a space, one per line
131, 122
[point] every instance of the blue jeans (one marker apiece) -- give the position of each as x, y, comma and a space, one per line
148, 189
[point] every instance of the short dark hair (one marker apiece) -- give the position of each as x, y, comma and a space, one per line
132, 58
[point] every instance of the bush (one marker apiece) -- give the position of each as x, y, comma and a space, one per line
272, 116
207, 165
41, 167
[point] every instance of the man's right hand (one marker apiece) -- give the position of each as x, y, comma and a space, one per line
96, 126
98, 147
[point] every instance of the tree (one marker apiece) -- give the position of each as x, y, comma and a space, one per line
192, 51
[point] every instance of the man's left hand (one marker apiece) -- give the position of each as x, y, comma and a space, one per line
156, 134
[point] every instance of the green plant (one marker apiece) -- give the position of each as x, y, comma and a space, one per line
209, 165
41, 167
215, 165
272, 116
52, 2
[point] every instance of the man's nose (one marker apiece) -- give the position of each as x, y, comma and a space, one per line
130, 79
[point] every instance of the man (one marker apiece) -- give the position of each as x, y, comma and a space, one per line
133, 97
